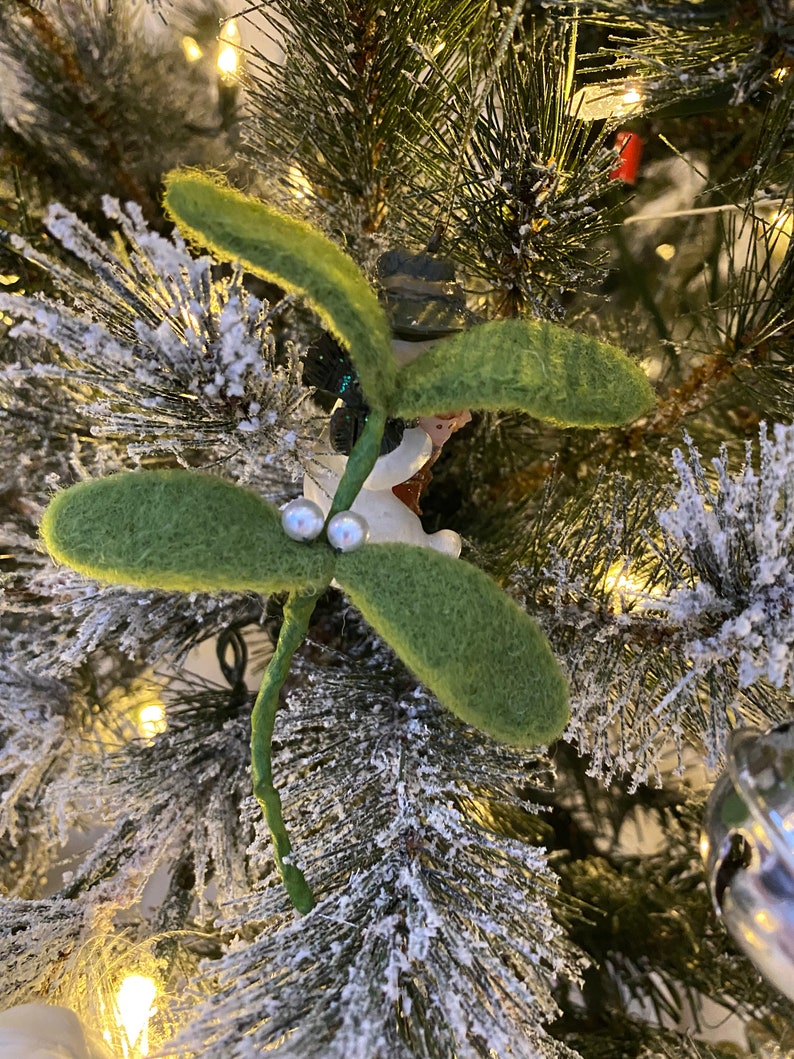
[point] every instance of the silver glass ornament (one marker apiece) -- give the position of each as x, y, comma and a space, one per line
347, 531
302, 519
748, 848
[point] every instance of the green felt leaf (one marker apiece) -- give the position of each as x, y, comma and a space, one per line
553, 373
298, 258
483, 657
180, 530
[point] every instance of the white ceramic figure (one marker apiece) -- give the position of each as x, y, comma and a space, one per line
388, 518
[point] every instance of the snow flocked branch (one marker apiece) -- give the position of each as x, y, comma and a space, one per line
738, 536
483, 656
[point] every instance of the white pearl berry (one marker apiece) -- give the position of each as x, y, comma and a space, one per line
302, 519
347, 531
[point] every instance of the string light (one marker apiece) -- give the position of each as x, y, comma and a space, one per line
151, 720
191, 49
601, 102
228, 60
780, 235
134, 1006
625, 588
299, 185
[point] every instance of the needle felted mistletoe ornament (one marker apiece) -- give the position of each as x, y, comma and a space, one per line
483, 657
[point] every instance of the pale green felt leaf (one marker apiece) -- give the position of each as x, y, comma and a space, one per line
298, 258
180, 530
533, 366
482, 656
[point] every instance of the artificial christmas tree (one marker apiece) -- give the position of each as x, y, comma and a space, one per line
469, 896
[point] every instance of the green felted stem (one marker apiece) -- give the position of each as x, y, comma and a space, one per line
297, 613
533, 366
298, 258
180, 530
484, 658
359, 464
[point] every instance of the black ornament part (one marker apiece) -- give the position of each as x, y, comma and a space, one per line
421, 296
328, 369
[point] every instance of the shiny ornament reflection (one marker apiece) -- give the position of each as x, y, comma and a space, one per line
302, 519
748, 848
347, 531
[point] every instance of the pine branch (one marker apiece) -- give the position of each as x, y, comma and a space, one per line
420, 899
528, 210
339, 124
89, 113
165, 355
674, 622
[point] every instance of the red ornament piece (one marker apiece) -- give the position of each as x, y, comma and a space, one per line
629, 144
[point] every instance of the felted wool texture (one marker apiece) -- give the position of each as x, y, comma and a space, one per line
180, 530
483, 657
533, 366
298, 258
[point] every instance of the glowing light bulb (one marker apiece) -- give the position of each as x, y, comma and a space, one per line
704, 847
300, 186
766, 920
228, 60
666, 251
134, 1008
779, 235
151, 720
191, 49
617, 99
625, 588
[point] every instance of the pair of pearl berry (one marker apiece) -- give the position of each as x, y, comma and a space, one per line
303, 520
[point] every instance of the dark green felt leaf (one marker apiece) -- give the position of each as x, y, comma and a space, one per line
179, 530
533, 366
298, 258
483, 657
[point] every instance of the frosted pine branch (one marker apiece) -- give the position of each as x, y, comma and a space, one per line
438, 927
164, 356
671, 608
737, 533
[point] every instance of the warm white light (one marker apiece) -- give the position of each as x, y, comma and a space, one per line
151, 720
666, 251
621, 584
228, 59
301, 188
191, 49
779, 239
600, 102
766, 921
134, 1008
